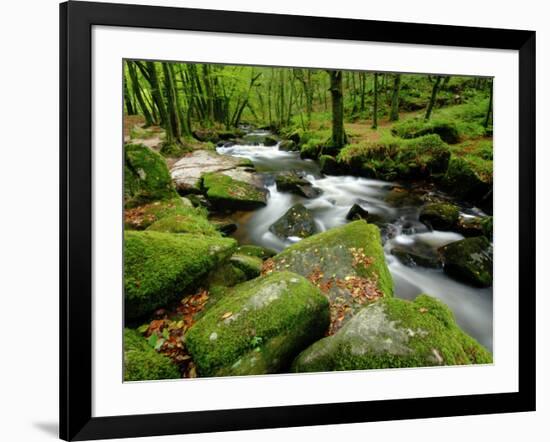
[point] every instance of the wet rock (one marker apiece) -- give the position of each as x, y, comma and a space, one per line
401, 197
330, 165
297, 221
258, 251
417, 254
357, 212
226, 193
469, 260
288, 145
291, 182
440, 216
465, 182
224, 225
258, 327
394, 333
251, 266
470, 226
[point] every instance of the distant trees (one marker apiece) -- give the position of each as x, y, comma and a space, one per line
490, 106
375, 102
394, 112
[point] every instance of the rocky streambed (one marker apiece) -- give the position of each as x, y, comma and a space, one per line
249, 260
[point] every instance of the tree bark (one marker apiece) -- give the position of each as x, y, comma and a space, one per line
433, 98
339, 138
137, 93
394, 114
375, 103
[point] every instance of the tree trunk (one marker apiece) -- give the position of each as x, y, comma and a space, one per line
173, 126
433, 98
157, 95
339, 138
394, 114
490, 107
139, 96
128, 99
375, 103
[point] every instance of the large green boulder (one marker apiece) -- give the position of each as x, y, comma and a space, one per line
227, 193
469, 260
440, 216
414, 128
468, 180
393, 333
347, 263
146, 177
185, 220
143, 363
296, 222
158, 266
258, 327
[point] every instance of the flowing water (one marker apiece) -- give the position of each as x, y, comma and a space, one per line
473, 307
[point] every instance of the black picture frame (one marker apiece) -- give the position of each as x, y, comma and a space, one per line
76, 21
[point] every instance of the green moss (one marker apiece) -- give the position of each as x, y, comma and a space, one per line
469, 260
414, 128
225, 192
440, 216
258, 251
174, 150
467, 180
141, 217
392, 158
160, 266
259, 326
352, 249
143, 363
185, 220
393, 333
146, 177
251, 266
487, 226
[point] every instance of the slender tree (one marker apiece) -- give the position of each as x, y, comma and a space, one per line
490, 106
394, 114
173, 128
433, 98
136, 88
339, 138
375, 103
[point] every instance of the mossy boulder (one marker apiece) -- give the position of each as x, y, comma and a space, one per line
465, 181
185, 220
331, 166
292, 182
440, 216
258, 251
413, 128
258, 327
226, 193
357, 212
469, 260
141, 217
340, 261
417, 254
251, 266
143, 363
288, 145
158, 266
394, 333
146, 177
296, 222
472, 226
418, 158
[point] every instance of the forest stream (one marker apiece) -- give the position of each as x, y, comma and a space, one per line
398, 220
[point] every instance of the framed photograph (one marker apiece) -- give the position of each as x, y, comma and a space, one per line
273, 220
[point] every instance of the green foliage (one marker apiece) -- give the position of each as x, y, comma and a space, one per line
158, 267
186, 220
227, 193
142, 362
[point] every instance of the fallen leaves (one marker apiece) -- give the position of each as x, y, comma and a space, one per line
166, 333
267, 267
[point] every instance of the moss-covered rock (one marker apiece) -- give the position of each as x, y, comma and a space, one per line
258, 327
470, 226
160, 266
296, 222
487, 226
146, 177
226, 193
469, 260
414, 128
292, 182
141, 217
258, 251
393, 333
417, 254
331, 166
423, 157
143, 363
440, 216
464, 181
288, 146
185, 220
339, 261
251, 266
